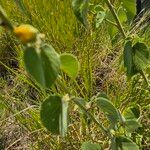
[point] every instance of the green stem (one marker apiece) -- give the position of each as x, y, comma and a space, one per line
119, 25
75, 100
145, 78
114, 24
99, 124
5, 19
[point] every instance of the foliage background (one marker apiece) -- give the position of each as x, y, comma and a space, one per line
20, 98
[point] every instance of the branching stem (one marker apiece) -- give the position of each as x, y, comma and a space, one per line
119, 25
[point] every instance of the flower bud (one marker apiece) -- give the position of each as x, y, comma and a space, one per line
26, 33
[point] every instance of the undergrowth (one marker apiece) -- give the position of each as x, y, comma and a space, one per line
20, 97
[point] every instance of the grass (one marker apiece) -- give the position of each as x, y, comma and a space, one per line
20, 97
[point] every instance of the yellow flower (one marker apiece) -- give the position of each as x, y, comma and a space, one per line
26, 33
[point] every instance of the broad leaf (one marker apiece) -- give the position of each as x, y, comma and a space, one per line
33, 65
113, 144
132, 125
142, 56
109, 109
132, 113
125, 143
90, 146
122, 15
130, 6
54, 115
69, 64
50, 63
128, 58
80, 8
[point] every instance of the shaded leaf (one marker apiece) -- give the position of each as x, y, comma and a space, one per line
80, 8
142, 56
125, 143
69, 64
109, 109
132, 113
129, 59
33, 65
50, 63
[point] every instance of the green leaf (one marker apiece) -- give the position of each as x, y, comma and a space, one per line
122, 15
113, 144
132, 125
80, 8
109, 109
90, 146
99, 18
132, 113
50, 63
54, 115
33, 65
128, 58
69, 64
43, 66
102, 94
141, 56
21, 5
130, 6
125, 143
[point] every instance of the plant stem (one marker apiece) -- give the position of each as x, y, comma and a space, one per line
75, 100
145, 78
91, 116
5, 19
119, 25
114, 24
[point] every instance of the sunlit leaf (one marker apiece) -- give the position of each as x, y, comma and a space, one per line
90, 146
69, 64
130, 6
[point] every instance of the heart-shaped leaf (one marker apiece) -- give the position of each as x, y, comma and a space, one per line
54, 115
43, 65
